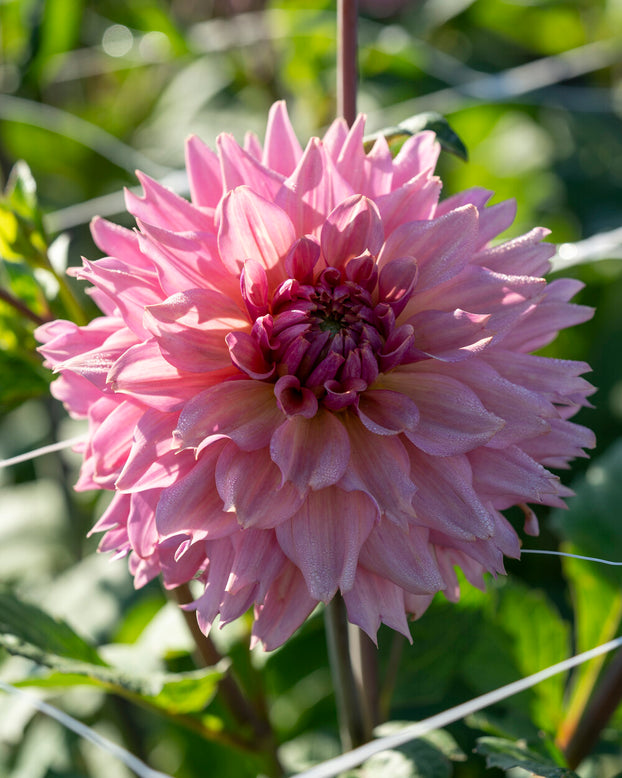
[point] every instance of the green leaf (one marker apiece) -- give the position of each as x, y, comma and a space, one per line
23, 622
416, 759
441, 739
397, 136
175, 693
22, 236
507, 754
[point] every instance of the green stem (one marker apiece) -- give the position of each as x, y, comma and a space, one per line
351, 723
21, 307
364, 658
390, 678
229, 689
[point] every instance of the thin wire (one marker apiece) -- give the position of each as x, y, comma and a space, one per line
39, 452
129, 760
570, 556
353, 758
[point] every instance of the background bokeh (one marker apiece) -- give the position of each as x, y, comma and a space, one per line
90, 90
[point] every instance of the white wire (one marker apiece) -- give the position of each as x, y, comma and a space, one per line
129, 760
570, 556
39, 452
353, 758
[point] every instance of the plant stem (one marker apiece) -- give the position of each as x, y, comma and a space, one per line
347, 76
364, 658
349, 713
390, 678
603, 704
19, 306
232, 695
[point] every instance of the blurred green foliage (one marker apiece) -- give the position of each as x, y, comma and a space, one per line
89, 91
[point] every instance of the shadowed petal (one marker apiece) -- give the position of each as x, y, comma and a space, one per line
244, 411
324, 538
250, 484
374, 600
387, 412
193, 506
379, 466
311, 453
452, 417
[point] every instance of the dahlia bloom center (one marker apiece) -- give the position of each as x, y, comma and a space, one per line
329, 329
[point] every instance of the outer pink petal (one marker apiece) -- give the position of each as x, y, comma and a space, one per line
525, 255
204, 173
558, 380
245, 411
112, 441
325, 536
131, 290
220, 555
416, 199
447, 498
141, 529
509, 476
494, 220
311, 453
373, 600
163, 207
143, 373
419, 154
154, 461
525, 413
192, 504
239, 168
258, 560
403, 556
117, 241
187, 260
282, 150
286, 606
249, 483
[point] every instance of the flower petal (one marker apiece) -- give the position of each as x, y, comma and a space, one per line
353, 227
250, 484
379, 466
190, 328
452, 417
245, 411
323, 539
252, 227
386, 412
311, 453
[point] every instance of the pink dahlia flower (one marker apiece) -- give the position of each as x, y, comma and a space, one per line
314, 377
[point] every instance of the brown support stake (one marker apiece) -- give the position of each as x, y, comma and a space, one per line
602, 706
347, 74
